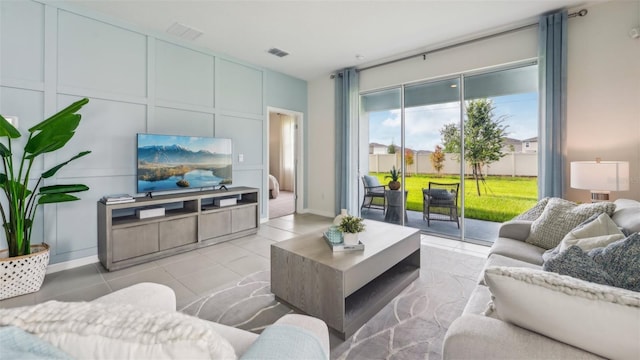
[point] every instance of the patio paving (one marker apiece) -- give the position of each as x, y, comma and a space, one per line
478, 231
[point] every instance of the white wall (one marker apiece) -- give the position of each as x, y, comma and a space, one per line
321, 146
505, 49
136, 82
604, 91
603, 88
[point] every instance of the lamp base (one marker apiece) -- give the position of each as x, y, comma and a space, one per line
599, 196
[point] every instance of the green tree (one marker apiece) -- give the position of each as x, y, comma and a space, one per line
437, 159
391, 149
483, 134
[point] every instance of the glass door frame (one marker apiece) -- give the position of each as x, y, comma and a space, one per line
460, 77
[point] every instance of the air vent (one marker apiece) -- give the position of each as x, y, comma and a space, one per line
277, 52
184, 31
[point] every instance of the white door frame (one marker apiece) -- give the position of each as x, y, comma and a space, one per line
298, 157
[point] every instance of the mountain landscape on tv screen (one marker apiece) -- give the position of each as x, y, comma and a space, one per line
165, 167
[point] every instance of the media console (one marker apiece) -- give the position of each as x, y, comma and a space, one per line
191, 220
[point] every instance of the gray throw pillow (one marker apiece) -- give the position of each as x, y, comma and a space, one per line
576, 263
621, 260
595, 232
534, 212
371, 180
561, 216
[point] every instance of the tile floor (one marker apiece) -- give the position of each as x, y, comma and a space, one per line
197, 272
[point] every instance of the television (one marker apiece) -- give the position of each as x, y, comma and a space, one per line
171, 162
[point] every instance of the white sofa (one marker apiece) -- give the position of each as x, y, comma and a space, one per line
538, 322
155, 330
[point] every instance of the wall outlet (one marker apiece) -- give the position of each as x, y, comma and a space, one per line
240, 157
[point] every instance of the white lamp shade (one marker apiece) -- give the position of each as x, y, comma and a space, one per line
600, 176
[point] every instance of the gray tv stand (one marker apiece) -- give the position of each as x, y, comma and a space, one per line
191, 220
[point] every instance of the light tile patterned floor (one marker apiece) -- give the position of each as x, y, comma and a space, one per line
197, 272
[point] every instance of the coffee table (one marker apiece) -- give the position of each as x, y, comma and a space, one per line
345, 289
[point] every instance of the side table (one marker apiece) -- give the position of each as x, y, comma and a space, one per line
395, 206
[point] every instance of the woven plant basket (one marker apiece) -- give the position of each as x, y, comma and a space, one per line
23, 274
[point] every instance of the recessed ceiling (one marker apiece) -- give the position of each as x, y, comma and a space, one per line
324, 36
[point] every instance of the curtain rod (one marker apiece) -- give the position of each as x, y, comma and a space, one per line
580, 13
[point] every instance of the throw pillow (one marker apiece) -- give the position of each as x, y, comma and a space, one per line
559, 217
597, 231
597, 318
621, 260
117, 331
371, 180
576, 263
627, 215
534, 212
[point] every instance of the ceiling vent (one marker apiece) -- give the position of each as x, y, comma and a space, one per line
277, 52
184, 31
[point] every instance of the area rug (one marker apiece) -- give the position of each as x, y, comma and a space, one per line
411, 326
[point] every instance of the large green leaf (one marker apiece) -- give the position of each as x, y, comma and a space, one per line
4, 151
46, 142
3, 180
56, 198
60, 189
16, 187
6, 129
49, 173
53, 119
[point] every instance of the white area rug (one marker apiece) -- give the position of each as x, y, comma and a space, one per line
411, 326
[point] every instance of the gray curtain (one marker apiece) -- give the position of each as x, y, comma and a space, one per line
552, 64
347, 110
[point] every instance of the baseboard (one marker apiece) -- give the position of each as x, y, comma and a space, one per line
53, 268
324, 213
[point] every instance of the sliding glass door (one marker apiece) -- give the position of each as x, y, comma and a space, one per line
381, 125
467, 147
501, 154
433, 175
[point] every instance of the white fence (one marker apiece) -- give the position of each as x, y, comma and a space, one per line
513, 164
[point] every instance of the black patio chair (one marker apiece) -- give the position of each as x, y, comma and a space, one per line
373, 193
440, 202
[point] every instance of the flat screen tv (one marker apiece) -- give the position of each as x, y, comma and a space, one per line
170, 162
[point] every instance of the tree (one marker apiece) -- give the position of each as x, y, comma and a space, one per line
437, 159
483, 134
408, 157
391, 149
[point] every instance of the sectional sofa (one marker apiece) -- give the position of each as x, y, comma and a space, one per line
520, 311
140, 322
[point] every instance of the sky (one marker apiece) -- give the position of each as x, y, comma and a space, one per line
423, 124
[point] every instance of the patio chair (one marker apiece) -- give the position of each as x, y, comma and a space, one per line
440, 202
373, 193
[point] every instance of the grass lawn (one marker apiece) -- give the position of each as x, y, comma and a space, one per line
501, 198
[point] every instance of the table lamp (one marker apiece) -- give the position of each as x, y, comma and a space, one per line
601, 177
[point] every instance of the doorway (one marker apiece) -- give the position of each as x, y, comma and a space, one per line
282, 160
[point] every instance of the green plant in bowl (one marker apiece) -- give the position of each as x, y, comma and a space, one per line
351, 224
394, 175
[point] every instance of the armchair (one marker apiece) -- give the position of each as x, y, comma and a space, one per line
440, 202
373, 193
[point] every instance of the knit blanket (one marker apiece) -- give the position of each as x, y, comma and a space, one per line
118, 331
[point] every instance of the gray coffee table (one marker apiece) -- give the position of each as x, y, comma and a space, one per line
345, 289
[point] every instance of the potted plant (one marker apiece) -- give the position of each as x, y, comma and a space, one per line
350, 227
394, 175
23, 200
